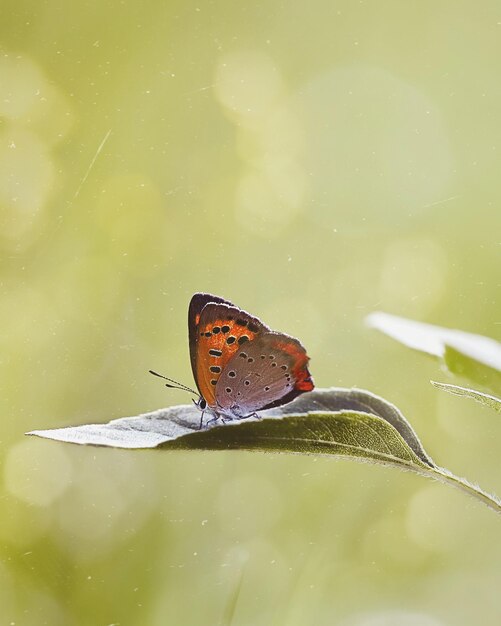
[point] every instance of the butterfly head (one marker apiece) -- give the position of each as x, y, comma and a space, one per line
201, 403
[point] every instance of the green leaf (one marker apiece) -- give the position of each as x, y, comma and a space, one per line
349, 423
463, 365
484, 398
473, 357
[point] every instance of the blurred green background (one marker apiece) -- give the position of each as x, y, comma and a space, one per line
312, 162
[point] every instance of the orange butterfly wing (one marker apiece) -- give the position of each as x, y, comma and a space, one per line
220, 330
197, 303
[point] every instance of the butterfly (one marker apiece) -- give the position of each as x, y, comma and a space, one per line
239, 364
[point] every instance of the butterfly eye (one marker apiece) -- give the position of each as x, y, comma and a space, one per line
202, 404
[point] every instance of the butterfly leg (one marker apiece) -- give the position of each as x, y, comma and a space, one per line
246, 417
212, 420
209, 422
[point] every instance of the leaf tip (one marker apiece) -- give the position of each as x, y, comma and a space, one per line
372, 319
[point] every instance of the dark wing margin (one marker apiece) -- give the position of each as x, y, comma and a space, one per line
197, 303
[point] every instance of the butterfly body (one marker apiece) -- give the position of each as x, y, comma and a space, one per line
240, 365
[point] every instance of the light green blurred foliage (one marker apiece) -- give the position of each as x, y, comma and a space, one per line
311, 162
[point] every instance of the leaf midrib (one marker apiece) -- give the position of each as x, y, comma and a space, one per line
389, 457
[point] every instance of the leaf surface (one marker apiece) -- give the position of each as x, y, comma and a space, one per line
347, 423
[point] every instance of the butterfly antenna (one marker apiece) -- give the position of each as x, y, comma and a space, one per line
175, 385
